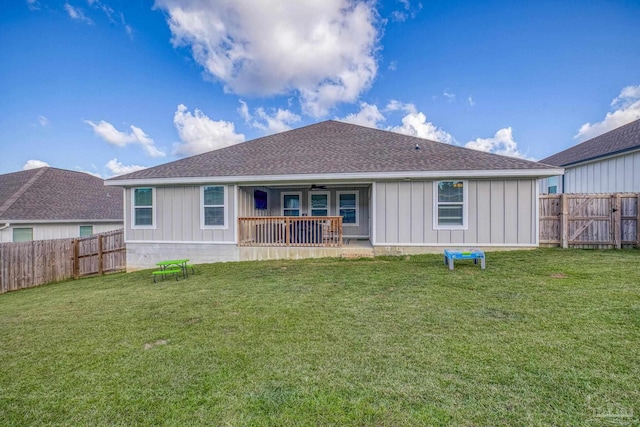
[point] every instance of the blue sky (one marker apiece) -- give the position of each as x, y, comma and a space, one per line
111, 86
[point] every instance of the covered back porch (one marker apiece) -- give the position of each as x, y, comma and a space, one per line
303, 215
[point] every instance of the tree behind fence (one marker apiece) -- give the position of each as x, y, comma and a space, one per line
29, 264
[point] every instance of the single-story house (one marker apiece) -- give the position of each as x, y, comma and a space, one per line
609, 163
329, 189
50, 203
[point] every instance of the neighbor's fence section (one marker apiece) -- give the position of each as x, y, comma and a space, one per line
30, 264
590, 220
99, 254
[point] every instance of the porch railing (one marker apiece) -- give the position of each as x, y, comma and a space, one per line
311, 231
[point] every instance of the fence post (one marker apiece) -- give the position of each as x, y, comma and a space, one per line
564, 220
638, 220
100, 260
2, 280
76, 258
617, 220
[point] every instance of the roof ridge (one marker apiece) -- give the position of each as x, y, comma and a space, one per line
11, 200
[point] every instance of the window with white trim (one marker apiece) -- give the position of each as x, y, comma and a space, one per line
319, 203
291, 204
143, 207
86, 230
552, 185
450, 205
348, 207
214, 212
22, 234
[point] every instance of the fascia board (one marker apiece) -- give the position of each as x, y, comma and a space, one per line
596, 159
307, 178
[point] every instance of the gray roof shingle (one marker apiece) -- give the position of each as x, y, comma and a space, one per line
624, 138
331, 147
50, 194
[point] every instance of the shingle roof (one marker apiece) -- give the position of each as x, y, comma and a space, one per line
50, 194
331, 147
624, 138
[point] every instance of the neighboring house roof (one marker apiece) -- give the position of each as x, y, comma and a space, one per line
329, 148
50, 194
620, 140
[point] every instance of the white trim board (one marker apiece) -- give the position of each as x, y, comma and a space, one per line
311, 178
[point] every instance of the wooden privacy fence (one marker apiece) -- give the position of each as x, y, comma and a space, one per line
30, 264
590, 220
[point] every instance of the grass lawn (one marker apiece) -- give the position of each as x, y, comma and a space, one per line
544, 337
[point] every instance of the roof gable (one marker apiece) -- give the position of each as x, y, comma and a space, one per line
622, 139
331, 147
50, 194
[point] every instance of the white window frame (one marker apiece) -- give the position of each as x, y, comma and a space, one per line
13, 233
465, 204
153, 209
320, 193
290, 193
225, 196
357, 208
80, 230
553, 182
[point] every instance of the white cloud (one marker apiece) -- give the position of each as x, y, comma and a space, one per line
627, 96
77, 13
113, 136
627, 109
369, 116
116, 18
416, 124
278, 121
501, 143
200, 134
34, 164
33, 4
399, 16
117, 168
409, 11
322, 51
395, 105
43, 121
129, 30
471, 101
81, 169
450, 96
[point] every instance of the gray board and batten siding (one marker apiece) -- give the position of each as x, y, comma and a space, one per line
499, 213
620, 174
178, 218
616, 174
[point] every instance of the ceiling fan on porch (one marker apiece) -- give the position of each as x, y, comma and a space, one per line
317, 187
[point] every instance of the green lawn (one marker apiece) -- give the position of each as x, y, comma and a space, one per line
544, 337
